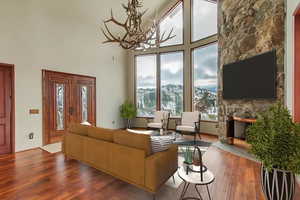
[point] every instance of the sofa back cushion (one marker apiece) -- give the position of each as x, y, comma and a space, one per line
138, 141
101, 133
78, 129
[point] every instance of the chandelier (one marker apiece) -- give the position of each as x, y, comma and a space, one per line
134, 36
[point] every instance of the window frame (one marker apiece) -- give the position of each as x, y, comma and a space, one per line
135, 81
183, 79
187, 47
193, 76
173, 7
158, 80
191, 24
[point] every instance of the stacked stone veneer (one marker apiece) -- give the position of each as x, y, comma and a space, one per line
247, 28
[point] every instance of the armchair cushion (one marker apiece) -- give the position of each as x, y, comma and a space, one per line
186, 128
189, 118
160, 115
155, 125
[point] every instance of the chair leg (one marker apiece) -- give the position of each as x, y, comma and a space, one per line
208, 192
154, 196
199, 135
195, 138
67, 158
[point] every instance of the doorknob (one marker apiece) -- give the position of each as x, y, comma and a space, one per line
71, 110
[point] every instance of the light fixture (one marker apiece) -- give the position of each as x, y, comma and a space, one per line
135, 36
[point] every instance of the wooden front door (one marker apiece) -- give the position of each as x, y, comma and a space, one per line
67, 98
5, 109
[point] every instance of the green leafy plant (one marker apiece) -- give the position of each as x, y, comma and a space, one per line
128, 111
188, 155
275, 139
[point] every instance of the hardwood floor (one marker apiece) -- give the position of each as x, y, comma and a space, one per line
37, 174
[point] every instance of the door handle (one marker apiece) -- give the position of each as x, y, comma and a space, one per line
71, 110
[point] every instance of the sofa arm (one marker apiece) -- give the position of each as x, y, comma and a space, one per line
160, 167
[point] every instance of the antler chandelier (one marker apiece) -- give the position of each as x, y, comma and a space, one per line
135, 36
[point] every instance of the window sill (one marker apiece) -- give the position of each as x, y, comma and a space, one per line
176, 118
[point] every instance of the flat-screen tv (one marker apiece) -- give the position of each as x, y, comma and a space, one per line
253, 78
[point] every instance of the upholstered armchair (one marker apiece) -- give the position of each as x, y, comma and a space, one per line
189, 124
160, 120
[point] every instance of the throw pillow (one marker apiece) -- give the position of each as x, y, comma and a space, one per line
161, 143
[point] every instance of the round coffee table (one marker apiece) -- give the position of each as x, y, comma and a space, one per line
195, 178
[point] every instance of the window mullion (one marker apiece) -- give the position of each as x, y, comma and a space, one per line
158, 82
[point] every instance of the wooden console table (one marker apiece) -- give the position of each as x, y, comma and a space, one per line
246, 120
231, 126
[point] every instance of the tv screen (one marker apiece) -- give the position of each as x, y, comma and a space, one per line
253, 78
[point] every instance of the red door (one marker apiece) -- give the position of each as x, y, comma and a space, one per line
5, 109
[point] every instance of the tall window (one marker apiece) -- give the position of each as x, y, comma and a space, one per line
146, 85
205, 81
171, 78
174, 20
160, 72
204, 19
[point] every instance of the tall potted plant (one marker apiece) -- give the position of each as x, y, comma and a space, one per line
275, 141
128, 112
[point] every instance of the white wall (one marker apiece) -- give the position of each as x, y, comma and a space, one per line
289, 57
63, 36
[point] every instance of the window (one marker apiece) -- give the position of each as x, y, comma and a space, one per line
204, 19
205, 81
174, 20
84, 103
146, 85
171, 78
160, 72
60, 108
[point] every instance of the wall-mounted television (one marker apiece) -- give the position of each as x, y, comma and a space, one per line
253, 78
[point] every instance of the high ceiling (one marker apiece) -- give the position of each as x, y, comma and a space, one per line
153, 7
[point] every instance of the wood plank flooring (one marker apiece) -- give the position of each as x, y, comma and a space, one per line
39, 175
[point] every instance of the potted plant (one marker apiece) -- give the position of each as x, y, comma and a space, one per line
128, 112
275, 141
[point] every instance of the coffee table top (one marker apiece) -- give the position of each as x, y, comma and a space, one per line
194, 177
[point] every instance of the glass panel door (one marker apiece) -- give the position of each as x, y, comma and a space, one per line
84, 103
60, 107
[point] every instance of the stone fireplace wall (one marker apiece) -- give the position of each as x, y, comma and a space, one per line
247, 28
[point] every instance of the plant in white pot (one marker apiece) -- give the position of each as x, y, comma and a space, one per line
275, 141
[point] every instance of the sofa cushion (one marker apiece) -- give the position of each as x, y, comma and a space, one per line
138, 141
101, 133
161, 143
78, 129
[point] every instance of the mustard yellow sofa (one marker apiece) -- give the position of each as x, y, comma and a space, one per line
126, 156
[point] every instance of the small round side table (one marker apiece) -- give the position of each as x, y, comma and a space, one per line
195, 178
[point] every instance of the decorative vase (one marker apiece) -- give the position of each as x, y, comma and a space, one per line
277, 184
